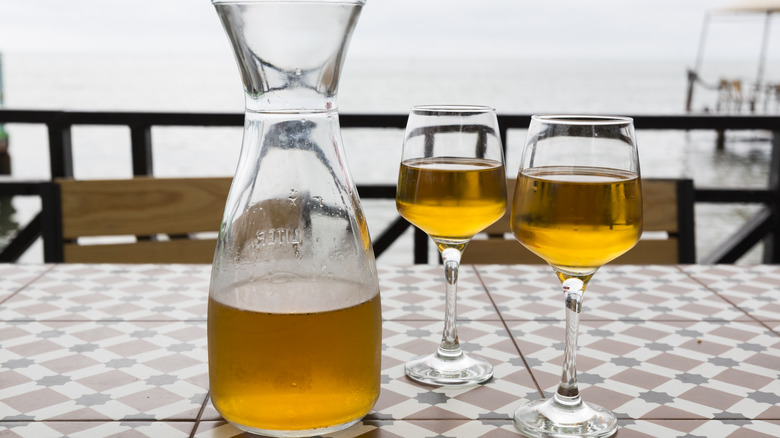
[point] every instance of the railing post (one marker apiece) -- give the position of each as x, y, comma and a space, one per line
60, 148
420, 247
141, 144
51, 223
502, 132
772, 241
686, 201
429, 144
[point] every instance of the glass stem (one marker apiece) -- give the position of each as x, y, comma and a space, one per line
450, 347
568, 392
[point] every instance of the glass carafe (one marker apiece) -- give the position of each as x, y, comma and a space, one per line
294, 324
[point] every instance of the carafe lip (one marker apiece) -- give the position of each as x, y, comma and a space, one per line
346, 2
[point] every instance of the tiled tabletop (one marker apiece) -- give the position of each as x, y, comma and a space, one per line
674, 351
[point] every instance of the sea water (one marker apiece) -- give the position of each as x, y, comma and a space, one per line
211, 83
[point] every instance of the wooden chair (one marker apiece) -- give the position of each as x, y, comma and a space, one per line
149, 220
668, 225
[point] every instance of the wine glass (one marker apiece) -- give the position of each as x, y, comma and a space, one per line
451, 185
577, 205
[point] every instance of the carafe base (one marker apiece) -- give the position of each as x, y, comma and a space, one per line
297, 433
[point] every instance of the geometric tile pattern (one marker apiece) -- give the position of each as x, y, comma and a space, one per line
14, 278
755, 290
675, 351
416, 292
664, 369
90, 370
639, 293
113, 293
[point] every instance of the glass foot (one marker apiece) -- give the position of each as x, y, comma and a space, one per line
435, 369
550, 418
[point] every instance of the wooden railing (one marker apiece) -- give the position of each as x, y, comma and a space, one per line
764, 226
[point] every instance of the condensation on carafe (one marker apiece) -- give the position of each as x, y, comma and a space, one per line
297, 241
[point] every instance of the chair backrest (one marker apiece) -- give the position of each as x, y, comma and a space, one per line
139, 220
668, 230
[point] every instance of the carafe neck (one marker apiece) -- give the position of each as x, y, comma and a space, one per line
290, 53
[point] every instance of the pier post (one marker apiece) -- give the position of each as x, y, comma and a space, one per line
720, 141
5, 156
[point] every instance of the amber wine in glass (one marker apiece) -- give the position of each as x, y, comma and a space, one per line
451, 185
451, 198
577, 205
595, 215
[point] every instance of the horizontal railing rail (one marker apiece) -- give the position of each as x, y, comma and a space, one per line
764, 226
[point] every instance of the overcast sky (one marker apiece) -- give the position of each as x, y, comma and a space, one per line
642, 29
